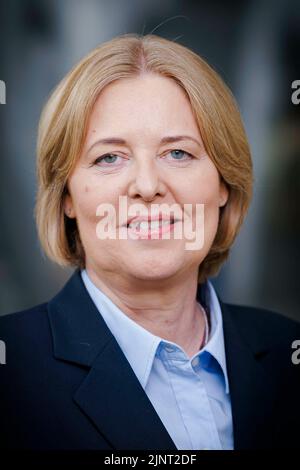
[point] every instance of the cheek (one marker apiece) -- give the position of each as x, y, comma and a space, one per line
88, 210
87, 194
86, 207
202, 188
209, 195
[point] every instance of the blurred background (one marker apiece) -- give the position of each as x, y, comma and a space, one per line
253, 44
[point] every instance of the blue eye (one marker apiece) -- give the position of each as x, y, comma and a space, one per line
108, 158
179, 155
113, 157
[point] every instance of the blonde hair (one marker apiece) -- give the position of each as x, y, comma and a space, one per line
63, 126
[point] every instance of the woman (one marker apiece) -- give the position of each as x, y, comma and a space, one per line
142, 150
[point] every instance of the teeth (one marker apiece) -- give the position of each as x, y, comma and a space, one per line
133, 225
144, 225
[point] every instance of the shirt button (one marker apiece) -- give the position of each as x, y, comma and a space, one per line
195, 361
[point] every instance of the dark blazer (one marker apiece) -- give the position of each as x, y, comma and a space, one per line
66, 383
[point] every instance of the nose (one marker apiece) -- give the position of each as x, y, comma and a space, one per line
146, 182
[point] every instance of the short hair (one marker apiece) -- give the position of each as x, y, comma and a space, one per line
63, 127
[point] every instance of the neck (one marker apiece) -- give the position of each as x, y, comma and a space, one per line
168, 310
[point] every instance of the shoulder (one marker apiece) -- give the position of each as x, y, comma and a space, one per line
26, 333
23, 319
267, 333
262, 320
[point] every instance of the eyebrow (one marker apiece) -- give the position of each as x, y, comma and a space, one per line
164, 140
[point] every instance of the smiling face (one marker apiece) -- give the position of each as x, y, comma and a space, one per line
140, 164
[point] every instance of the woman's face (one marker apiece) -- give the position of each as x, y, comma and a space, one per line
135, 116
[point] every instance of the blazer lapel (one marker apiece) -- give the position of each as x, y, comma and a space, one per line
110, 395
113, 398
250, 385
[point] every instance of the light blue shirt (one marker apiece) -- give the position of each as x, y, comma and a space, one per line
190, 395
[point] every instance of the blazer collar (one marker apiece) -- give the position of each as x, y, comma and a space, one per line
110, 393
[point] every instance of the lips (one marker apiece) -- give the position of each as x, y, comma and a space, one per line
152, 222
149, 225
155, 229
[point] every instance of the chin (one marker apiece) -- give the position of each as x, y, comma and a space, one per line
153, 269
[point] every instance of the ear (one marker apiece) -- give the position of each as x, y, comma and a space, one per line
68, 206
223, 193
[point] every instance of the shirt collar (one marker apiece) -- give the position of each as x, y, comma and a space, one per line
140, 346
137, 343
215, 345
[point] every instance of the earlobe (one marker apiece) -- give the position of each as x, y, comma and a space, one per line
224, 194
68, 207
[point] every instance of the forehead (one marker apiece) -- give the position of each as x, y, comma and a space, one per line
148, 102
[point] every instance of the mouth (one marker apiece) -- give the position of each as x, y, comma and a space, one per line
147, 229
152, 225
